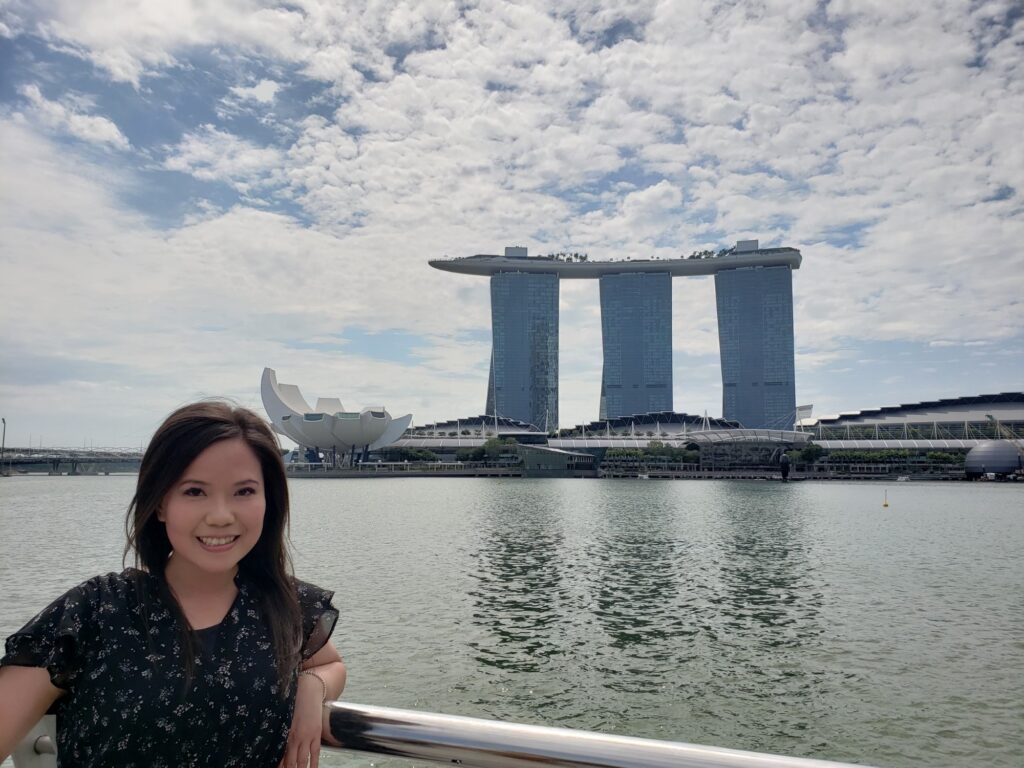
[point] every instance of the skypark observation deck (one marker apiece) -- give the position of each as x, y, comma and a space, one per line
487, 264
754, 296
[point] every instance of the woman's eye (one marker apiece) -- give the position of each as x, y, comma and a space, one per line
193, 491
247, 491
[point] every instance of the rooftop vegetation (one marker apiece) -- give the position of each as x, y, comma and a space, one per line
710, 254
573, 256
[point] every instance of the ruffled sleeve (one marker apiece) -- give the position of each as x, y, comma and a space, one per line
58, 638
318, 617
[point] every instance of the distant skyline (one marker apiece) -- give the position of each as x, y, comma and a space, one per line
193, 191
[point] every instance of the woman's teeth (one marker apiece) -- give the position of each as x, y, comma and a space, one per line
218, 541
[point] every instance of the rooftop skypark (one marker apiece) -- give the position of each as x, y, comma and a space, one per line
745, 254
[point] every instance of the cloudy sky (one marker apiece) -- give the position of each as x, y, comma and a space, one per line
191, 191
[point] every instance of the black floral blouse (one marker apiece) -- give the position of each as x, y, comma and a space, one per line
120, 659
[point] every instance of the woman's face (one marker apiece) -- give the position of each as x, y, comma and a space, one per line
214, 512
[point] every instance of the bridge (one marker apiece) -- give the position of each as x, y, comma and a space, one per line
70, 461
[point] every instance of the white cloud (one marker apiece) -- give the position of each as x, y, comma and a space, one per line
65, 118
172, 315
134, 40
263, 92
210, 154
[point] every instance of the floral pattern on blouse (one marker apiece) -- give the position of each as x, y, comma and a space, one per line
121, 662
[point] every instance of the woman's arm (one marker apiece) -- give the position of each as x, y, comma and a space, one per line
328, 666
25, 695
307, 722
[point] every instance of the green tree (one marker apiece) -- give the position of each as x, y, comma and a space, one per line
811, 452
623, 453
494, 447
408, 454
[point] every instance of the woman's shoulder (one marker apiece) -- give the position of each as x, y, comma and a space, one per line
63, 636
128, 579
105, 593
309, 590
107, 588
313, 595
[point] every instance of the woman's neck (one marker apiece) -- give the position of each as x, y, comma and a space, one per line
188, 582
204, 598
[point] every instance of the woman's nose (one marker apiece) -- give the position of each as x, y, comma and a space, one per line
220, 513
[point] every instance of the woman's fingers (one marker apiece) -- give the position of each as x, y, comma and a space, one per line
301, 753
291, 755
306, 753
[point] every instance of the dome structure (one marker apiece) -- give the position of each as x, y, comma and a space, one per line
328, 425
1001, 457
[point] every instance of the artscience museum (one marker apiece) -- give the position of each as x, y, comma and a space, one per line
328, 426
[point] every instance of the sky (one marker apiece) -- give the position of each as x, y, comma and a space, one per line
191, 191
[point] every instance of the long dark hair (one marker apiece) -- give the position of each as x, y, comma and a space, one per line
185, 434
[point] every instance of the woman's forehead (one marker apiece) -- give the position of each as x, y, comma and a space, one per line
225, 458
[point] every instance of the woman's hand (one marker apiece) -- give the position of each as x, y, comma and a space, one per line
326, 675
307, 723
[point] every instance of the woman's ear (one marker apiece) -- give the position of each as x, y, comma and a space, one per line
160, 514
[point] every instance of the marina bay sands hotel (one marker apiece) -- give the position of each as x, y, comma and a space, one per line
754, 294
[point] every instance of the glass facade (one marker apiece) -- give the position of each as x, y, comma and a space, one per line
523, 382
636, 334
755, 338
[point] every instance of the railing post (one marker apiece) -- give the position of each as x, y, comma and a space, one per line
37, 749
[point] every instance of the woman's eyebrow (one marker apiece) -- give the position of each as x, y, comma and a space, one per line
246, 482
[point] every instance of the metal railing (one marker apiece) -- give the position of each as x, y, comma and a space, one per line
477, 743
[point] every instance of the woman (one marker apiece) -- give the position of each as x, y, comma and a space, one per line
209, 652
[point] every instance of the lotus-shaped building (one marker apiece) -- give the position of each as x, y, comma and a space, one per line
328, 425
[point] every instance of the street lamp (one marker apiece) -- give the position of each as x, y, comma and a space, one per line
3, 444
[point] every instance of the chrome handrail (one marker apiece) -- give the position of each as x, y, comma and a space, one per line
476, 743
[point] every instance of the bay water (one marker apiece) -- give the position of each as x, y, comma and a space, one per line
802, 619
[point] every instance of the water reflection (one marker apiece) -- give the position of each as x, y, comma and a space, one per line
767, 586
633, 580
628, 624
767, 620
520, 593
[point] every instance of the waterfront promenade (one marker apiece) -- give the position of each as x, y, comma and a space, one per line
77, 465
105, 461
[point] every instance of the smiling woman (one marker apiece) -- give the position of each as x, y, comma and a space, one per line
150, 665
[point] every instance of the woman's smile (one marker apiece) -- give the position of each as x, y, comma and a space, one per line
217, 543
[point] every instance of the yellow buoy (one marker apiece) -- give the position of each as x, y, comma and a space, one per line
886, 502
